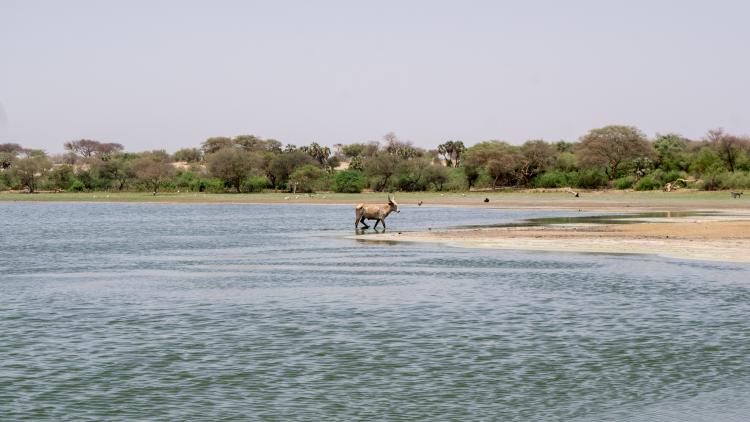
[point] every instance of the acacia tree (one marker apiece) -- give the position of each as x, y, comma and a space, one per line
729, 147
152, 169
500, 160
535, 157
191, 155
30, 168
9, 152
87, 148
305, 178
358, 149
282, 165
118, 169
216, 143
233, 165
669, 149
611, 146
381, 167
257, 144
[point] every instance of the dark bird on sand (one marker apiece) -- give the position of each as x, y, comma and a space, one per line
486, 199
419, 203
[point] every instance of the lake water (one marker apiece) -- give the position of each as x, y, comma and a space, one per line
254, 312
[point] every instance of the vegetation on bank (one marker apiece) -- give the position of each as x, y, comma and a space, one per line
617, 157
510, 197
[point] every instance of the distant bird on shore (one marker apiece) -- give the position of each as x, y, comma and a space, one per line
486, 199
419, 203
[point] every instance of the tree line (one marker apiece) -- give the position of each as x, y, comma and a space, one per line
614, 156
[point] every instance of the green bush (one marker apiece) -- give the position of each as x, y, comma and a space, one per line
349, 181
377, 182
456, 180
255, 184
711, 181
588, 179
185, 180
736, 180
648, 182
307, 178
725, 180
624, 182
208, 184
551, 179
671, 176
77, 186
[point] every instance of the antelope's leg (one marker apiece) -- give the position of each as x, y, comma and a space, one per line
376, 224
383, 221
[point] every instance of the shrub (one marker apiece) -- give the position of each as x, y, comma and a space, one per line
306, 178
736, 180
725, 180
672, 175
588, 179
624, 182
349, 181
711, 181
77, 186
437, 176
456, 180
187, 179
255, 184
648, 182
551, 179
207, 185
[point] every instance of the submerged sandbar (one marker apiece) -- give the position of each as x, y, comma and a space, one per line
716, 237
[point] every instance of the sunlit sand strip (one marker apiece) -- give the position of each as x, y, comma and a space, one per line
722, 239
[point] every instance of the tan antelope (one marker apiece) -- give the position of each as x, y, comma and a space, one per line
374, 212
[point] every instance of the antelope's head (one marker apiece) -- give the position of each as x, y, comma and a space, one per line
392, 203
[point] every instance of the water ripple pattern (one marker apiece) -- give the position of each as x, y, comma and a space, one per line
250, 312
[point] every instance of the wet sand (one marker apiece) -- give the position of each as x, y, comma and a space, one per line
721, 237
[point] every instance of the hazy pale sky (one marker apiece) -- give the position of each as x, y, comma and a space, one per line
168, 74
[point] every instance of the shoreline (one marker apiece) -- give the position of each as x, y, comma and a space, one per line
608, 201
721, 237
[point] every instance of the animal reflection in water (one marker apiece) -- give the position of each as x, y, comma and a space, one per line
374, 212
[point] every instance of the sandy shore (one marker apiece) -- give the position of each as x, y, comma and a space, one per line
722, 237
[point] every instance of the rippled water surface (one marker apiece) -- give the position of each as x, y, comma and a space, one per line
252, 312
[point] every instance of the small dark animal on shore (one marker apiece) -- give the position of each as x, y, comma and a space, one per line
486, 199
735, 194
574, 193
419, 203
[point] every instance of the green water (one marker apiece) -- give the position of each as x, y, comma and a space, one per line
231, 312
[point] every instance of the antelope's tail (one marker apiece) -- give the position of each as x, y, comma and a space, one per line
359, 206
